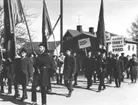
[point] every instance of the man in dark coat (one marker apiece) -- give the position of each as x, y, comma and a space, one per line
6, 72
42, 64
118, 70
69, 71
101, 61
89, 69
109, 71
78, 67
23, 74
124, 60
133, 65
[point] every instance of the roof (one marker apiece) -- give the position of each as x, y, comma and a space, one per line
51, 45
76, 33
112, 34
131, 41
89, 34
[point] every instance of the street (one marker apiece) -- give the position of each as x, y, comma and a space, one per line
127, 94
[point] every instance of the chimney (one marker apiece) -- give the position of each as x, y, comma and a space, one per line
91, 30
79, 28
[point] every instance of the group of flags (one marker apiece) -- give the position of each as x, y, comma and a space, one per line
13, 14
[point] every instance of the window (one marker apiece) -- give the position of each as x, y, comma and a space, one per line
128, 47
133, 48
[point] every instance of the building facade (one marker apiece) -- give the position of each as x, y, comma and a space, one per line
119, 44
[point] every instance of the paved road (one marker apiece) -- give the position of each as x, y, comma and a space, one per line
126, 95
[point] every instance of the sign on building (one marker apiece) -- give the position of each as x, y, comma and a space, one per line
108, 37
117, 44
84, 43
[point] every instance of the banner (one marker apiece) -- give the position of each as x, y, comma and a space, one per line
117, 44
84, 43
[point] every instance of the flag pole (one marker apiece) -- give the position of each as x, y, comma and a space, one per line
55, 25
53, 33
27, 29
61, 25
13, 26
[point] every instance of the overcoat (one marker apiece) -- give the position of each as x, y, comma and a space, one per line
89, 65
69, 67
119, 67
23, 70
42, 64
133, 64
78, 63
102, 66
110, 66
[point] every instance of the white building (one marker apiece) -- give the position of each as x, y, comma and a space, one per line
119, 44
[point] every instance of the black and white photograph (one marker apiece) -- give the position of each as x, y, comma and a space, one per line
68, 52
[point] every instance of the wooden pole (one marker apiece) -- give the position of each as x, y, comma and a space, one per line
55, 25
61, 25
27, 29
85, 51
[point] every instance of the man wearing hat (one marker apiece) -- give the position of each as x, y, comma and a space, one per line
23, 73
69, 71
43, 62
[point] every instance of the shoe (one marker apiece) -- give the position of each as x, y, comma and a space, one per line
49, 91
23, 98
88, 88
16, 95
2, 91
75, 84
70, 93
9, 92
98, 91
34, 103
104, 87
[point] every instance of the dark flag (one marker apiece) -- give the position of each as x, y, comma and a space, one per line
46, 25
101, 30
17, 11
9, 38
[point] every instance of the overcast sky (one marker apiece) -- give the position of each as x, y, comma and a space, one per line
119, 14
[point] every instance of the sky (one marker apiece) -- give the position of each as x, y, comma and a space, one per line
118, 15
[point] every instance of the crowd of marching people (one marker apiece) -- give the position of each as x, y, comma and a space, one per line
38, 69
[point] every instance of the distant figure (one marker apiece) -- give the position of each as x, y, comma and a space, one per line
133, 65
109, 72
78, 67
69, 71
124, 60
60, 65
89, 69
118, 70
127, 68
102, 70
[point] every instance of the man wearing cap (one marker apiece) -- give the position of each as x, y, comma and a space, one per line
69, 71
23, 73
42, 63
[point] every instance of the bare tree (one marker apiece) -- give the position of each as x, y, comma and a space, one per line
20, 28
133, 31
